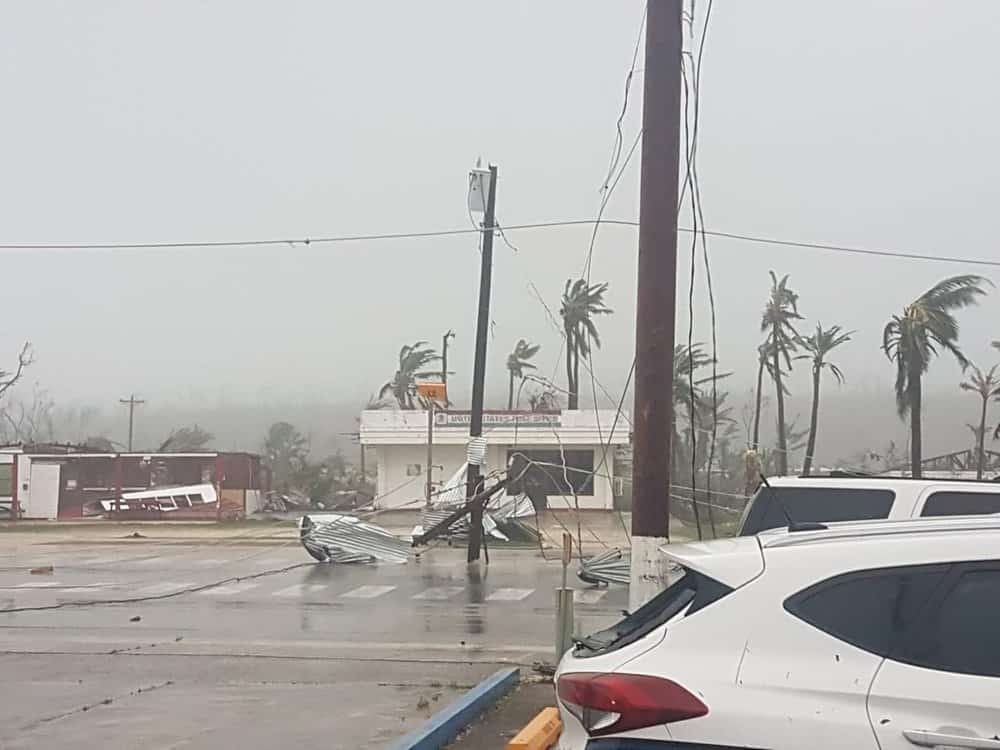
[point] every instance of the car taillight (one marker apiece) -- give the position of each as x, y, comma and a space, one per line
610, 702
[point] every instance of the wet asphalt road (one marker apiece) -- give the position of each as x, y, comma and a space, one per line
350, 656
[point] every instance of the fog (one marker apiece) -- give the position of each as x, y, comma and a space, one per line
854, 123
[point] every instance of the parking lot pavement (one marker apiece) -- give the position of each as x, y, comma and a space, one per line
289, 639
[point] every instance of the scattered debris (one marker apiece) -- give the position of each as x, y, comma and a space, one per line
158, 499
338, 538
42, 570
608, 567
135, 618
501, 518
543, 668
135, 535
423, 703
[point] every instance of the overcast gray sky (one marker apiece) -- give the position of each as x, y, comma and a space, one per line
858, 123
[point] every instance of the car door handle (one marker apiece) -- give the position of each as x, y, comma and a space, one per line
923, 738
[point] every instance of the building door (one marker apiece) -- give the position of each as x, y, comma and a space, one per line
43, 492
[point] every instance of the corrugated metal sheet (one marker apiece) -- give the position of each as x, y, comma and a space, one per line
608, 567
333, 537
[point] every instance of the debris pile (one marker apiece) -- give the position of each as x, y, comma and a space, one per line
502, 518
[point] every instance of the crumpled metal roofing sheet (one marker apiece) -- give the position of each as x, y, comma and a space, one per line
608, 567
334, 537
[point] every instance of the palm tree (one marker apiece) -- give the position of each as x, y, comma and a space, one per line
412, 359
765, 363
986, 385
777, 322
580, 303
914, 337
517, 363
819, 346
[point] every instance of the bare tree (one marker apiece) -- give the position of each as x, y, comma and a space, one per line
28, 421
25, 359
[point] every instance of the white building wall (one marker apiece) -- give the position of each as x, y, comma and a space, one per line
395, 488
400, 438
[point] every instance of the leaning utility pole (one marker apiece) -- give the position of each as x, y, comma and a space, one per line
132, 402
656, 298
479, 369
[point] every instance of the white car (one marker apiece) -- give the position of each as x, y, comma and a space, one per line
852, 497
872, 635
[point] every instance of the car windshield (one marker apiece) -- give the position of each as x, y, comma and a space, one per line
770, 505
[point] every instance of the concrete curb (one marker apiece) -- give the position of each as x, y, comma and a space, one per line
445, 725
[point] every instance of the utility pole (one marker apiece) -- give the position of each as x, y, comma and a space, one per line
479, 369
656, 298
429, 490
444, 360
132, 402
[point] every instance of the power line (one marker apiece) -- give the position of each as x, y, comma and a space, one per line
306, 241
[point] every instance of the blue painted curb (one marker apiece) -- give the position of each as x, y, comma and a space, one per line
445, 725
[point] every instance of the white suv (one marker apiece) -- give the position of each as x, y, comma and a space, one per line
868, 635
851, 497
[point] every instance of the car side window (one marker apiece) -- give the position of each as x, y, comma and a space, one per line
873, 609
820, 504
961, 504
962, 633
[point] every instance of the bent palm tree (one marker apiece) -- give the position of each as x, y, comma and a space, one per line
517, 363
986, 385
777, 322
412, 359
580, 303
819, 346
913, 338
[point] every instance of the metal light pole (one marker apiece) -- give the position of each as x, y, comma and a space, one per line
656, 298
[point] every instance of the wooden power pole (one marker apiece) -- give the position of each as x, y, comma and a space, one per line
656, 297
132, 402
479, 370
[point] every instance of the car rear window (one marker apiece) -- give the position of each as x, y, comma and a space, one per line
962, 504
814, 504
869, 609
691, 592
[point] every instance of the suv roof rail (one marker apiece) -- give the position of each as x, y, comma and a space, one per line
867, 529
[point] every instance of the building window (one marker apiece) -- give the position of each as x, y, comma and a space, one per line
6, 480
542, 472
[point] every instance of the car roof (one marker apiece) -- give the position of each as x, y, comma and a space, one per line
920, 530
843, 479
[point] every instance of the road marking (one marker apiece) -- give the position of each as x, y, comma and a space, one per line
88, 587
367, 592
589, 596
166, 587
509, 595
439, 593
299, 589
209, 561
275, 561
39, 585
230, 589
149, 561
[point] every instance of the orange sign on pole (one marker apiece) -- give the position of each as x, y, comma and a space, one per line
433, 391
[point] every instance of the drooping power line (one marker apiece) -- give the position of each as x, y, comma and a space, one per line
337, 239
